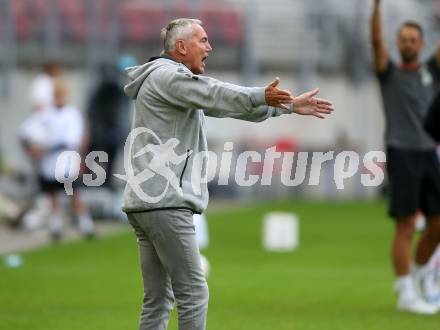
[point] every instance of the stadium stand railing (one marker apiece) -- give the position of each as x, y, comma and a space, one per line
132, 26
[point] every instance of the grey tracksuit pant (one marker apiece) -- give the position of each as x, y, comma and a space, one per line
171, 269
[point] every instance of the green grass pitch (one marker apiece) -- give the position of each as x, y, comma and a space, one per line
339, 278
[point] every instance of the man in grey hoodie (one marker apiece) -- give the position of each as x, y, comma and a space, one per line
165, 160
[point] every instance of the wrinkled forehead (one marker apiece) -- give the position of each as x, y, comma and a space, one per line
198, 31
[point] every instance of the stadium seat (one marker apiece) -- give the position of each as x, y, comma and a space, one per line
141, 23
22, 20
73, 16
105, 16
176, 12
222, 25
233, 26
39, 7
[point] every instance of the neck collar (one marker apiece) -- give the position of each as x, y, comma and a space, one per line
410, 66
165, 56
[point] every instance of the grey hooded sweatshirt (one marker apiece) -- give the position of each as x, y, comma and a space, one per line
166, 153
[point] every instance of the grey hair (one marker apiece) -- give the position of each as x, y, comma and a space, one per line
176, 29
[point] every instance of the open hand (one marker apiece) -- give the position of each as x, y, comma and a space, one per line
276, 97
309, 105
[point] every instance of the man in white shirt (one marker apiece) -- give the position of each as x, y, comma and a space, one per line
42, 88
32, 134
63, 131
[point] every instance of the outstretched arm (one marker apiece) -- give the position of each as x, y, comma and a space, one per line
380, 51
185, 90
221, 100
305, 104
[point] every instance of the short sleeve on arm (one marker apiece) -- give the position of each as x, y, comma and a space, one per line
432, 121
434, 67
386, 74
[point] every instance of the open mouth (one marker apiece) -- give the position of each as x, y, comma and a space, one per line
204, 59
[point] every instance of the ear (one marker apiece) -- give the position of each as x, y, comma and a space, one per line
181, 47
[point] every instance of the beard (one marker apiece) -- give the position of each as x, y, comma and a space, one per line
409, 57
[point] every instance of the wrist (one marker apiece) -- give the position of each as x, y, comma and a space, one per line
258, 96
292, 107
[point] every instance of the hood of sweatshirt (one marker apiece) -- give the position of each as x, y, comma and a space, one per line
138, 74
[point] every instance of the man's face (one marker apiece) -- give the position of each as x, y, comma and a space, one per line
60, 97
197, 50
410, 44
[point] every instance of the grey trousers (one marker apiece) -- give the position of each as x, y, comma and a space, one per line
171, 269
